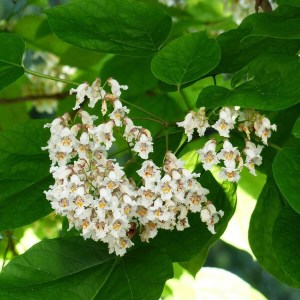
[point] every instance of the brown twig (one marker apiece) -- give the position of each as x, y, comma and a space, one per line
264, 4
58, 96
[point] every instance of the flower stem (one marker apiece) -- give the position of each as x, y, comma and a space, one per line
278, 148
144, 111
50, 77
149, 119
167, 139
184, 98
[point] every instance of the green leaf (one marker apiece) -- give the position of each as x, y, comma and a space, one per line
268, 207
77, 269
283, 23
139, 79
286, 242
120, 26
184, 245
11, 54
286, 171
24, 175
256, 36
296, 129
295, 3
186, 59
273, 85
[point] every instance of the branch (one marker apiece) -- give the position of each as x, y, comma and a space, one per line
264, 4
58, 96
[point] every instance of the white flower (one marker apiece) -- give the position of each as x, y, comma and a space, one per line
230, 173
143, 146
208, 154
263, 128
253, 156
149, 172
118, 114
95, 93
226, 121
228, 154
188, 124
201, 121
81, 92
116, 87
210, 216
194, 121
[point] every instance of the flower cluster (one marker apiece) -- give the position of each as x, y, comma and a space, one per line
93, 191
248, 121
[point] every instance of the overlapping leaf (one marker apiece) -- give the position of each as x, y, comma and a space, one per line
121, 26
286, 242
78, 269
186, 59
273, 85
268, 207
286, 170
24, 175
11, 54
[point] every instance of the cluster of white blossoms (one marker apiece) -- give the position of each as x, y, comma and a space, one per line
93, 191
248, 121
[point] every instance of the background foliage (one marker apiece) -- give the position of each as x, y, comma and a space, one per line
173, 58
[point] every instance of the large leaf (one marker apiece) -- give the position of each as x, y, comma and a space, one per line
186, 59
273, 85
268, 207
258, 33
286, 242
286, 171
24, 175
120, 26
11, 54
71, 268
185, 245
283, 23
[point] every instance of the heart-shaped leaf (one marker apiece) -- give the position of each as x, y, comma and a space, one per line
11, 54
121, 26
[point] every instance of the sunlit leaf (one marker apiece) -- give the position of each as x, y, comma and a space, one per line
120, 26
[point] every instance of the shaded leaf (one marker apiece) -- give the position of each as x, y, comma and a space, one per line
286, 171
24, 175
273, 85
11, 54
286, 242
268, 207
78, 269
186, 59
120, 27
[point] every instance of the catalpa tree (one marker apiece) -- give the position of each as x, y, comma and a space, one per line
146, 135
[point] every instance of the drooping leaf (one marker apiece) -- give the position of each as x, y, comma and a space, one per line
186, 59
283, 23
273, 85
286, 242
120, 27
11, 54
185, 245
257, 34
78, 269
24, 175
268, 207
286, 171
296, 129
